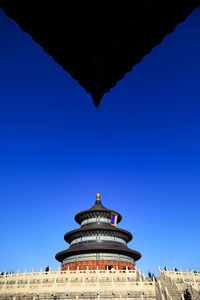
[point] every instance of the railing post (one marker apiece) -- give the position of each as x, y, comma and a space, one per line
160, 272
58, 271
167, 294
140, 278
4, 285
143, 277
17, 277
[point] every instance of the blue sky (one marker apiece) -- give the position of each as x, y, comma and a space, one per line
140, 150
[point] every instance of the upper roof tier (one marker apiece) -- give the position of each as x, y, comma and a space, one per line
97, 210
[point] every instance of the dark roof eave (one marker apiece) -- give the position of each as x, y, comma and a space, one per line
60, 256
91, 210
67, 236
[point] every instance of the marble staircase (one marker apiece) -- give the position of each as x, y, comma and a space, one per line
174, 292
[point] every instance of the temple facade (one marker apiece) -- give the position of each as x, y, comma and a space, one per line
98, 243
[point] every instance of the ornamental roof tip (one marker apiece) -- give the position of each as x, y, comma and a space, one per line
98, 203
98, 196
97, 207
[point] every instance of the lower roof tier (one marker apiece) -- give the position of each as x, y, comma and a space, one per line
135, 255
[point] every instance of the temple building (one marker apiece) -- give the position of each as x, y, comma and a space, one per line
98, 265
98, 243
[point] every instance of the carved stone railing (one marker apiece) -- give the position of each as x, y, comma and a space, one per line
82, 281
177, 274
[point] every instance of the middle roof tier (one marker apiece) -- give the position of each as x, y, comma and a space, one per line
98, 230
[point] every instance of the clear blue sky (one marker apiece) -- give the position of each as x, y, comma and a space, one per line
140, 150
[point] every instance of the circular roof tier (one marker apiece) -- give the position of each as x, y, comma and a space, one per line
71, 235
95, 211
124, 251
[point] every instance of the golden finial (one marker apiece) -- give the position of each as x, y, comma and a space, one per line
98, 196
